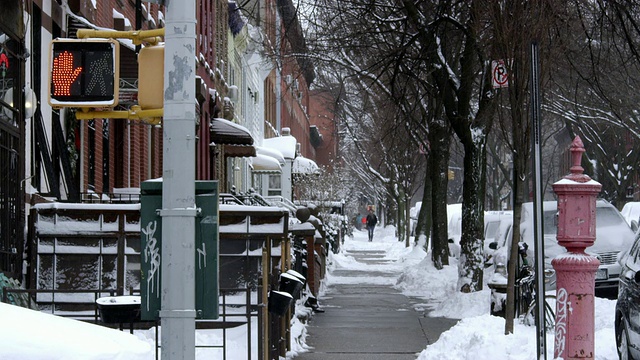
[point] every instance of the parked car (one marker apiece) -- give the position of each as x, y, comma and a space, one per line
613, 236
496, 248
627, 318
413, 216
454, 228
492, 223
631, 213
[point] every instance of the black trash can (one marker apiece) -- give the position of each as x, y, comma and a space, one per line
279, 302
297, 275
290, 284
119, 309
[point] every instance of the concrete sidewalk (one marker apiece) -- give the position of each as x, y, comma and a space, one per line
369, 321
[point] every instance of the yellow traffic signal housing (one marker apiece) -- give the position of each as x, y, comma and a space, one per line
151, 77
84, 73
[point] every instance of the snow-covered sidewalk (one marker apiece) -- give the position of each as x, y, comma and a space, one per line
478, 335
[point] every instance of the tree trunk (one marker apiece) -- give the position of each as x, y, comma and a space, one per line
407, 217
425, 219
401, 214
519, 176
439, 135
471, 268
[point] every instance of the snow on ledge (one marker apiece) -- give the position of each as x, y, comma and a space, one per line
571, 182
76, 206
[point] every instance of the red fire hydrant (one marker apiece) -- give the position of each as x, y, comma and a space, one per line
575, 270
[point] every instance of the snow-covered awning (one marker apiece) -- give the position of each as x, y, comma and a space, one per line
226, 132
304, 166
271, 152
286, 145
265, 164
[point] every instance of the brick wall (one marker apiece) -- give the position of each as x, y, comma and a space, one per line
321, 114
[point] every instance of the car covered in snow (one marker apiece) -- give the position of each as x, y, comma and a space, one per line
413, 216
627, 318
613, 236
454, 228
495, 248
631, 213
493, 221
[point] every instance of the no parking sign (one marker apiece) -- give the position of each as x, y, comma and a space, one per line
499, 74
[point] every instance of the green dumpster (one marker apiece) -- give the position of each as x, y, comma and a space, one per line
206, 254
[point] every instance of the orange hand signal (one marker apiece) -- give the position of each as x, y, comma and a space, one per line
63, 74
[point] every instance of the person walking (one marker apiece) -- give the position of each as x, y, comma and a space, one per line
372, 220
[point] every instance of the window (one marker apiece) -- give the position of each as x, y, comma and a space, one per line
9, 80
634, 253
275, 185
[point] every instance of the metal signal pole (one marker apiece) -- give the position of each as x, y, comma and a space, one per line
537, 203
178, 190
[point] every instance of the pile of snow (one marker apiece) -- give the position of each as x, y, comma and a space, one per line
478, 335
32, 335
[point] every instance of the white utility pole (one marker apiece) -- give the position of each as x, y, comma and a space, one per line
178, 190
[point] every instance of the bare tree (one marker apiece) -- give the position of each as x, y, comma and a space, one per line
592, 97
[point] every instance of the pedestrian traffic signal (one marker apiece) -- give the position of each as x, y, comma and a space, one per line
84, 73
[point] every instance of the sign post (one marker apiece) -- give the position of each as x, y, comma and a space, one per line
538, 232
179, 211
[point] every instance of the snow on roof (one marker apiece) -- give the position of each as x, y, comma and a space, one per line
285, 144
232, 124
128, 43
302, 165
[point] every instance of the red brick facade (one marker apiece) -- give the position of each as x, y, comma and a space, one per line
322, 114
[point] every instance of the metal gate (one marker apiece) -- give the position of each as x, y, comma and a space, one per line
11, 152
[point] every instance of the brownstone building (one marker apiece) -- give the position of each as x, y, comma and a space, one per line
323, 119
51, 156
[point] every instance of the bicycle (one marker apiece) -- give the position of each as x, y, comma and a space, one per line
526, 295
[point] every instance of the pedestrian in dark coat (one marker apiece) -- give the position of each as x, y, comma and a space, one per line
372, 220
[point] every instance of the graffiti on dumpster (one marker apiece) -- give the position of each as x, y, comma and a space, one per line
152, 256
202, 254
561, 321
